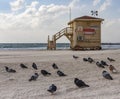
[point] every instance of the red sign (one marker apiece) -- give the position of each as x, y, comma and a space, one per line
88, 31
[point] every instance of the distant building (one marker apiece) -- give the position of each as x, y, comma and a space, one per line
83, 33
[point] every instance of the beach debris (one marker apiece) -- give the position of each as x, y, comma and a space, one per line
90, 60
54, 66
60, 73
75, 57
104, 63
99, 65
34, 77
80, 83
34, 66
10, 70
45, 73
23, 66
112, 69
107, 75
52, 89
110, 59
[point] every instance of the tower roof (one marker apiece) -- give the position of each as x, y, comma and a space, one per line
86, 18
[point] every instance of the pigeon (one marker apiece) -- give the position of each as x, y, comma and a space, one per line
52, 89
107, 75
85, 59
99, 65
10, 70
34, 77
54, 66
90, 60
60, 73
34, 66
104, 63
80, 83
75, 57
110, 59
45, 73
23, 66
112, 69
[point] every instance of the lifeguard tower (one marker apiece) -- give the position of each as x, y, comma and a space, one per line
83, 33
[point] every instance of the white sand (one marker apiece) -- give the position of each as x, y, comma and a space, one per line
17, 86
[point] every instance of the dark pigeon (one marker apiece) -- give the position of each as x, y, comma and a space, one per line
90, 60
104, 63
110, 59
80, 83
60, 73
85, 59
45, 73
75, 57
99, 65
54, 66
107, 75
23, 66
52, 89
34, 77
10, 70
34, 66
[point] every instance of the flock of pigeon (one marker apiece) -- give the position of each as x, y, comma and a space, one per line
102, 64
79, 83
35, 76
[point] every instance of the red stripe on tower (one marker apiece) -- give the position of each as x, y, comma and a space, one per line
88, 31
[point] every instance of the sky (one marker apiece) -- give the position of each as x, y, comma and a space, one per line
31, 21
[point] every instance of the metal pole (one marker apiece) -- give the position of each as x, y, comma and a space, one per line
70, 13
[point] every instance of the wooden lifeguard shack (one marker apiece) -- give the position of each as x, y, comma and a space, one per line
83, 33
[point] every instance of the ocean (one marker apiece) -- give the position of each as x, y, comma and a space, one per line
43, 46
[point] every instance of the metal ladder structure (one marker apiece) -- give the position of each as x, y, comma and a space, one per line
68, 32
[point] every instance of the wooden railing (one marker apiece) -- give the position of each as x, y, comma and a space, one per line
65, 31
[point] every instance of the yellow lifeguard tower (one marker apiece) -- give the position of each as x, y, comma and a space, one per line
83, 33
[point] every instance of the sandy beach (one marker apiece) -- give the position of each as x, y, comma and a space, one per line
17, 86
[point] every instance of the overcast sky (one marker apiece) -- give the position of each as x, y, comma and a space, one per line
31, 21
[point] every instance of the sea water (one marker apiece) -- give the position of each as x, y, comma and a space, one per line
43, 46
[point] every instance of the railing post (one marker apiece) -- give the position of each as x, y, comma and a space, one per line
54, 42
48, 46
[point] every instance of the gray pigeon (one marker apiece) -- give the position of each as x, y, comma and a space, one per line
60, 73
45, 73
80, 83
10, 70
107, 75
54, 66
99, 65
34, 77
104, 63
110, 59
90, 60
23, 66
75, 57
34, 66
52, 89
85, 59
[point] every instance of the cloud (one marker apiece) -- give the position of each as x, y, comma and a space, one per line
16, 5
110, 32
36, 15
76, 4
95, 2
109, 23
37, 21
104, 6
